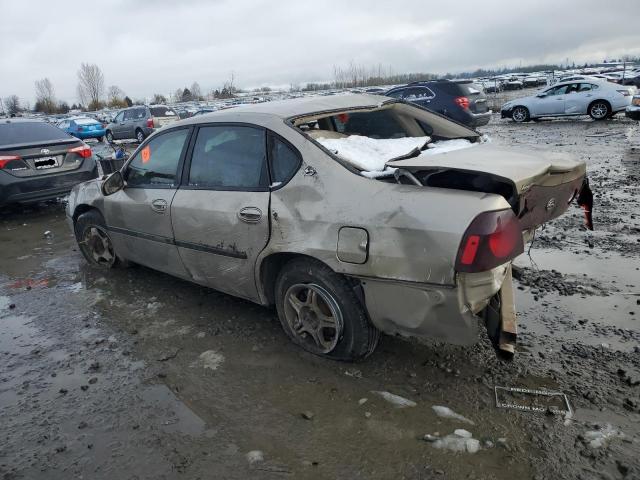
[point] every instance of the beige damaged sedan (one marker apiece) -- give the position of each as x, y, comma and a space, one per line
352, 214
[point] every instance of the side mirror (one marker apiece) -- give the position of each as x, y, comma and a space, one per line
114, 183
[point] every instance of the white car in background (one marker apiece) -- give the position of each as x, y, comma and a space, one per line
598, 99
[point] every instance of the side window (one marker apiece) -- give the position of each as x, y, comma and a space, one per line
140, 113
285, 161
413, 94
119, 117
396, 94
156, 164
585, 87
129, 114
229, 157
594, 87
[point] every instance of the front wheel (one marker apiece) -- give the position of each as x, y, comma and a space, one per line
520, 114
599, 110
319, 311
94, 240
109, 137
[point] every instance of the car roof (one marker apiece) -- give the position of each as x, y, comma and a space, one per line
298, 107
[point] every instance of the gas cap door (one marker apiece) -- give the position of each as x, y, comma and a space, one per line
353, 245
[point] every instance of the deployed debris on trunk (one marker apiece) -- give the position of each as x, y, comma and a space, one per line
370, 155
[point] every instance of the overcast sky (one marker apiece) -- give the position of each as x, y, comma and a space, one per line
160, 45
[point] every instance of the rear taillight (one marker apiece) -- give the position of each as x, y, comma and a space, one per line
636, 101
84, 151
462, 102
150, 122
493, 238
5, 160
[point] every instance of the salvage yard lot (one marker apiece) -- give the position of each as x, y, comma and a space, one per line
134, 374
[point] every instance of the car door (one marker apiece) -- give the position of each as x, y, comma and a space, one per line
139, 216
577, 103
118, 125
552, 103
128, 126
574, 100
220, 214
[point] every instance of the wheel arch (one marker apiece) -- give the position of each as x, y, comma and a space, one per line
270, 267
83, 208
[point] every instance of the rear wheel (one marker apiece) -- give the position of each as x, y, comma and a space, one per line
94, 241
520, 114
319, 311
100, 139
599, 110
140, 136
109, 136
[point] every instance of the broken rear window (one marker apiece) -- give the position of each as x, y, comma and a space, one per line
376, 124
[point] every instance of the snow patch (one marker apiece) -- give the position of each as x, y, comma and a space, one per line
396, 400
446, 412
255, 456
599, 438
371, 154
458, 441
210, 359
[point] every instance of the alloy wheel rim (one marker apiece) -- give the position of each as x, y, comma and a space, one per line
140, 137
519, 114
98, 246
313, 317
599, 110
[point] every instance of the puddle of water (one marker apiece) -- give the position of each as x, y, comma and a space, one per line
181, 419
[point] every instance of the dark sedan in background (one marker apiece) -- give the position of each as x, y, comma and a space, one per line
38, 161
460, 100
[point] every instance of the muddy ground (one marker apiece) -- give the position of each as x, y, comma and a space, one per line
132, 374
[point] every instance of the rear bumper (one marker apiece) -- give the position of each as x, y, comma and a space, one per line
633, 112
91, 134
45, 187
437, 312
479, 119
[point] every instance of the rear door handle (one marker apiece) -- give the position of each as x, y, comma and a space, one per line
250, 214
159, 205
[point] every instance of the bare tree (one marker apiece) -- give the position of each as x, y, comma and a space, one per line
196, 93
45, 96
158, 98
177, 95
90, 85
114, 92
12, 105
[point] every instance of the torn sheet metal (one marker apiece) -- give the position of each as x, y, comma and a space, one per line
561, 397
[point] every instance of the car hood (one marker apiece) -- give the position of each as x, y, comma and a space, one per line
521, 168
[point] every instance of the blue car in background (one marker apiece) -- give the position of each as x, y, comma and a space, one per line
83, 128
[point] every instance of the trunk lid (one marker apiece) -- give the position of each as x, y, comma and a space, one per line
538, 187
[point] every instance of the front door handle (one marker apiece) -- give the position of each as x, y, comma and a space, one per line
250, 214
159, 205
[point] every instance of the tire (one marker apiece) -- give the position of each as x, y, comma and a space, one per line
599, 109
140, 136
307, 292
100, 139
109, 136
520, 114
94, 241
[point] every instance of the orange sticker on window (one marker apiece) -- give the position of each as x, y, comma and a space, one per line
146, 154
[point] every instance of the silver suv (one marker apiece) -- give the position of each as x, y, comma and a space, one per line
139, 122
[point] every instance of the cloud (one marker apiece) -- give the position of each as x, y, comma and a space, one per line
148, 47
